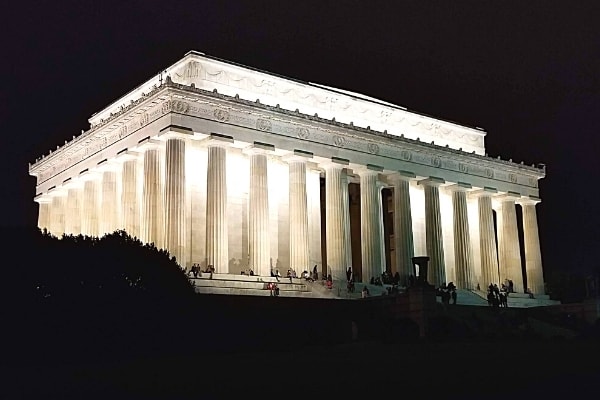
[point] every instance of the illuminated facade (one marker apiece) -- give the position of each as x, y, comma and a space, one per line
225, 165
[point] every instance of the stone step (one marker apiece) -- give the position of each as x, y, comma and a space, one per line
247, 285
249, 292
248, 278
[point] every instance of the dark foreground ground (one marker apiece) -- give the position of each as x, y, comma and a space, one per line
227, 347
418, 370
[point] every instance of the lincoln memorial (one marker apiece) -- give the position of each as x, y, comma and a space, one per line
229, 166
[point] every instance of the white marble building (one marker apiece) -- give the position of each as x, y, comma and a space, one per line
226, 165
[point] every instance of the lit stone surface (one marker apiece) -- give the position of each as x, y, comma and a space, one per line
433, 227
298, 216
169, 163
487, 240
44, 213
153, 211
462, 242
533, 254
73, 213
109, 205
129, 197
403, 234
259, 214
89, 217
335, 210
370, 213
216, 208
510, 263
175, 198
57, 222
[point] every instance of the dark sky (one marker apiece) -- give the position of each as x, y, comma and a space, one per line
526, 71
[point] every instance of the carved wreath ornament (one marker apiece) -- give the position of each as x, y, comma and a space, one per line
221, 115
405, 155
339, 141
263, 125
373, 148
302, 133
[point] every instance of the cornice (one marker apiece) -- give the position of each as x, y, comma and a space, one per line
171, 97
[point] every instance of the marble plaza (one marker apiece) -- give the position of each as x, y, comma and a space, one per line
228, 166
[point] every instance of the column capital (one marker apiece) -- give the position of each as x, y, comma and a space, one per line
486, 191
460, 187
42, 199
529, 200
298, 156
508, 196
335, 162
175, 132
432, 181
259, 148
87, 175
148, 144
107, 165
403, 176
218, 140
126, 155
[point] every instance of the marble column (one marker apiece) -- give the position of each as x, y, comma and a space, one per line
44, 211
74, 209
108, 203
130, 204
258, 213
346, 212
216, 206
433, 231
298, 214
175, 196
533, 254
487, 238
335, 227
370, 222
463, 253
89, 214
511, 268
57, 222
152, 196
403, 233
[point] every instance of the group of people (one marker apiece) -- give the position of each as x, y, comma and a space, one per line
447, 293
497, 297
196, 270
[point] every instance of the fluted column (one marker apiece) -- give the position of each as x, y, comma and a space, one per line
346, 212
403, 233
130, 204
258, 212
335, 210
108, 202
510, 242
45, 204
152, 197
216, 207
74, 209
487, 238
433, 231
89, 214
463, 253
57, 222
533, 254
298, 212
175, 223
370, 212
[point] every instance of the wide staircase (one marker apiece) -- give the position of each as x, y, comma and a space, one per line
515, 300
252, 285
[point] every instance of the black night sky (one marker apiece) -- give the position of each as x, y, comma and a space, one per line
525, 71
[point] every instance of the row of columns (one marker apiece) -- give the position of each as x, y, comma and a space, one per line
161, 218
